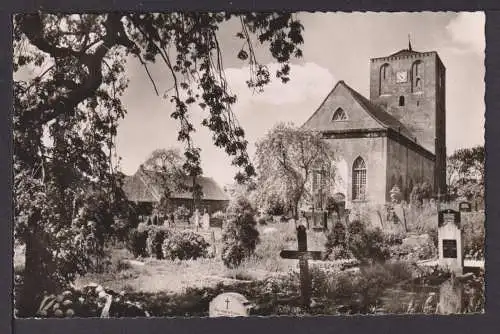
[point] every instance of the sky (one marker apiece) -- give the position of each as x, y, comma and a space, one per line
337, 46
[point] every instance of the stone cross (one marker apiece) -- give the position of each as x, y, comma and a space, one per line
303, 255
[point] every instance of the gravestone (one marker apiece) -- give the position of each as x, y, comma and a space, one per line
229, 304
465, 207
303, 255
450, 244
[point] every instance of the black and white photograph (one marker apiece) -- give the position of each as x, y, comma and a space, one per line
243, 164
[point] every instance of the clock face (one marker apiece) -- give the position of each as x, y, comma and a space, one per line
401, 76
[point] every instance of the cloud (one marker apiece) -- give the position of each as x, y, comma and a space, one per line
306, 82
467, 31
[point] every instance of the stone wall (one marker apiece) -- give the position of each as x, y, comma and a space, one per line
373, 151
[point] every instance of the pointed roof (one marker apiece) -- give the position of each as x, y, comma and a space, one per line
383, 118
140, 187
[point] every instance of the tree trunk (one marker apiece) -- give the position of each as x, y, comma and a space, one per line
35, 276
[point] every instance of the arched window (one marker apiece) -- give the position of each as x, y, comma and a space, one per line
401, 101
359, 179
384, 77
339, 115
417, 73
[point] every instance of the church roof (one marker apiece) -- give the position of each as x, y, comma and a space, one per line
381, 118
140, 187
405, 52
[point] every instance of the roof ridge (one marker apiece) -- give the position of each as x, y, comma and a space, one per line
323, 102
366, 104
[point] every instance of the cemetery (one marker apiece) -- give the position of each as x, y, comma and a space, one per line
347, 268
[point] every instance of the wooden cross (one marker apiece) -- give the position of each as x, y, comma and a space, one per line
303, 255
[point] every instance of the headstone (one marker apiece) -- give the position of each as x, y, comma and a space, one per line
450, 297
229, 304
450, 244
465, 207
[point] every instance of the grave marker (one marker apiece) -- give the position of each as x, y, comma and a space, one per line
450, 236
303, 255
229, 304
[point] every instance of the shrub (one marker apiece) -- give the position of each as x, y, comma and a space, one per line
336, 242
240, 236
185, 245
420, 192
154, 242
473, 225
366, 244
136, 242
181, 213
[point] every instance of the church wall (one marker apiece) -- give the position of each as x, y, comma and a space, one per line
405, 167
374, 153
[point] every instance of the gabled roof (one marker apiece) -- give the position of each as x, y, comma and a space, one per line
140, 187
383, 118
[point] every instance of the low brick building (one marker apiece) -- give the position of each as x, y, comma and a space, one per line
397, 137
142, 190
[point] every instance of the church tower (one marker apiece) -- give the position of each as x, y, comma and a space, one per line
411, 85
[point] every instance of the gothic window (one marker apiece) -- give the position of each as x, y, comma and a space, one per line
339, 115
384, 78
358, 179
417, 74
401, 101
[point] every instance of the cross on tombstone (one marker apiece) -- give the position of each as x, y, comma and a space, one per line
303, 255
227, 303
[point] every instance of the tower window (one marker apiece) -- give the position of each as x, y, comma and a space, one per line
417, 73
339, 115
383, 78
359, 179
401, 101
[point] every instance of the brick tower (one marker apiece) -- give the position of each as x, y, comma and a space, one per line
411, 85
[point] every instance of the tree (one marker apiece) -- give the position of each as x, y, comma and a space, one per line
66, 115
286, 158
465, 172
164, 169
240, 236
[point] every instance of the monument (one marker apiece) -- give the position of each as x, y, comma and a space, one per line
450, 244
229, 304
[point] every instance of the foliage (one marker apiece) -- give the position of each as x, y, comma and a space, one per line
185, 245
336, 243
465, 173
155, 239
474, 234
181, 213
286, 158
66, 115
420, 192
218, 215
136, 242
240, 236
366, 244
164, 169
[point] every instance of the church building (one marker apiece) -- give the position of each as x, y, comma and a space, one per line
396, 137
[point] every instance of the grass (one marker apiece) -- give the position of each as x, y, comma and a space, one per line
156, 276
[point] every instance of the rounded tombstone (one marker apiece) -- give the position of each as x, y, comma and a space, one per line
229, 304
